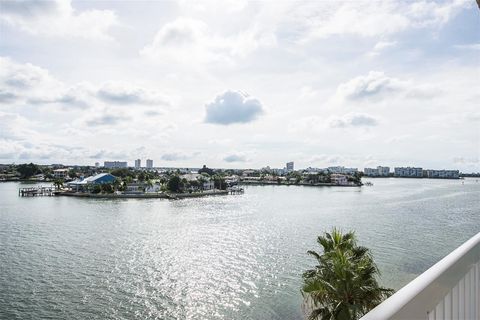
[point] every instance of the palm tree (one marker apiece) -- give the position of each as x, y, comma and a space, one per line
343, 286
58, 184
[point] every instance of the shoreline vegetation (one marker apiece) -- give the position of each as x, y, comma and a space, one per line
171, 183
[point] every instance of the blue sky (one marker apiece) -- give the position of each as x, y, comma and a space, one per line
240, 84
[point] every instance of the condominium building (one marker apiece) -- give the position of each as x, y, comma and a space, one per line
115, 164
149, 163
377, 172
370, 172
383, 171
290, 166
409, 172
442, 174
342, 170
138, 164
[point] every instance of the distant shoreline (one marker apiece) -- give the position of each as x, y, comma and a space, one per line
265, 183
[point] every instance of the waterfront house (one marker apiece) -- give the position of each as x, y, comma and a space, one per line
133, 188
339, 179
60, 174
154, 188
207, 182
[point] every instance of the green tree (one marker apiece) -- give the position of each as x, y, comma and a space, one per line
175, 184
27, 170
219, 182
107, 188
207, 170
96, 188
58, 183
343, 286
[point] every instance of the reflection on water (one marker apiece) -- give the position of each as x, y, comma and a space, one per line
235, 257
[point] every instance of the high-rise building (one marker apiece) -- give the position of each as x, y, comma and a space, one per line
378, 172
408, 172
149, 163
290, 166
138, 163
115, 164
383, 171
97, 164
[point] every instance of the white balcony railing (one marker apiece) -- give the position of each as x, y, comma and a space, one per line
448, 290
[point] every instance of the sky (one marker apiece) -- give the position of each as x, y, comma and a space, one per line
238, 84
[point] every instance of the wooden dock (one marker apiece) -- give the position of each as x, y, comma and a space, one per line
36, 192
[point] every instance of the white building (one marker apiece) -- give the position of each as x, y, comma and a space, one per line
149, 163
342, 170
339, 179
138, 164
97, 164
377, 172
409, 172
442, 174
115, 164
60, 173
383, 171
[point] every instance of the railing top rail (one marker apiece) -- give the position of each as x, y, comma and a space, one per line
424, 292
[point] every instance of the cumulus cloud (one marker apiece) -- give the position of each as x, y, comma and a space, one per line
373, 84
118, 93
32, 85
377, 85
57, 18
233, 107
191, 41
236, 157
27, 83
352, 120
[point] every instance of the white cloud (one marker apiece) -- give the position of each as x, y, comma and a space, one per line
122, 93
376, 85
28, 84
235, 157
352, 120
233, 107
57, 18
178, 156
191, 41
370, 19
373, 84
380, 47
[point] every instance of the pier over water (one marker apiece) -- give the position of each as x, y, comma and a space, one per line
36, 191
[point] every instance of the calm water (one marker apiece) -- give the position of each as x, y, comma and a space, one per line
235, 257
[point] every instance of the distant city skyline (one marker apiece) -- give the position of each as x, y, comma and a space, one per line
240, 84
